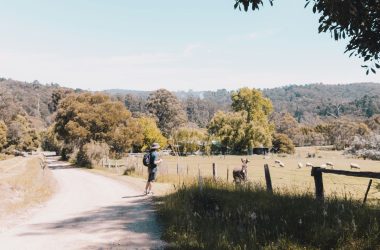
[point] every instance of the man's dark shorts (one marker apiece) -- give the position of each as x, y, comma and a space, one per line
152, 174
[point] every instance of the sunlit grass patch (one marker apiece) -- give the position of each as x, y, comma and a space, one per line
24, 186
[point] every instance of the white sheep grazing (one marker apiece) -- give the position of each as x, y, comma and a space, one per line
308, 164
300, 165
355, 166
329, 164
282, 164
277, 161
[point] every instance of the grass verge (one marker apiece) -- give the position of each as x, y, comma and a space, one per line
221, 216
23, 186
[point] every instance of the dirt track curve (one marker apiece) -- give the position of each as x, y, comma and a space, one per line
88, 211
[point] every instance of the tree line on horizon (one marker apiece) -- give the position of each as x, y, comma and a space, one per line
92, 125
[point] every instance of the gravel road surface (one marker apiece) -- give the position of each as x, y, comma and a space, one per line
88, 211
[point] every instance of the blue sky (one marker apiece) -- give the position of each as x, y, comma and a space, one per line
178, 45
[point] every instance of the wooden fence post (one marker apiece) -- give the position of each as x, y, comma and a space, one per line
227, 173
318, 180
177, 168
214, 171
200, 180
366, 193
268, 179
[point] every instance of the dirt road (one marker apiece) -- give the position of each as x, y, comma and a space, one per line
88, 212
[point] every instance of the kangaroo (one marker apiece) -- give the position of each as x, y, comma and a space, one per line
240, 174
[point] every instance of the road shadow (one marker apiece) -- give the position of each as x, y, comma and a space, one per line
60, 165
133, 196
135, 220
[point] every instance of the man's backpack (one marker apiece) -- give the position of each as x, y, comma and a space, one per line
146, 160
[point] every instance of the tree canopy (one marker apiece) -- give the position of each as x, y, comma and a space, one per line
357, 21
167, 109
151, 134
248, 126
82, 118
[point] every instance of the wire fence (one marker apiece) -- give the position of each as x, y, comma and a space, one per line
182, 169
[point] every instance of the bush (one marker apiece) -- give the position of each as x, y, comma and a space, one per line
367, 147
221, 216
50, 142
95, 151
283, 144
82, 160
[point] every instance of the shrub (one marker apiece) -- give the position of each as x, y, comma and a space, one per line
50, 142
283, 143
81, 159
95, 151
366, 147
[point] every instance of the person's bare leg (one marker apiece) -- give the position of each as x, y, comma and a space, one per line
150, 187
147, 186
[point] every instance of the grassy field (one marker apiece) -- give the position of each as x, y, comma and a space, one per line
283, 179
221, 216
23, 184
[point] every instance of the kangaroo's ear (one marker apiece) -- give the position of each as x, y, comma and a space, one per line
246, 160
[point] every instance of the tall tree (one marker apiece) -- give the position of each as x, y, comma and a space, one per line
253, 102
151, 134
358, 21
135, 104
199, 111
167, 109
86, 117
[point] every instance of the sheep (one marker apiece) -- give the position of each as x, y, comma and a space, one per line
277, 161
308, 164
282, 164
354, 166
240, 174
329, 164
300, 165
323, 166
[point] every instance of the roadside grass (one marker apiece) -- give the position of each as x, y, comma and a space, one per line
23, 186
222, 216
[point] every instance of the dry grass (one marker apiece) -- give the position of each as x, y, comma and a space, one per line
223, 216
23, 184
289, 178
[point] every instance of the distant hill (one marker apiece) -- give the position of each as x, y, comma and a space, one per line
356, 100
307, 103
33, 100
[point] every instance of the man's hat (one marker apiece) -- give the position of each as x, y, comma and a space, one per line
155, 146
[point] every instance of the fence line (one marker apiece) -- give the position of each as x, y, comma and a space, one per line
185, 168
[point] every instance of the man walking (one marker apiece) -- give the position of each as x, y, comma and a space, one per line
152, 168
